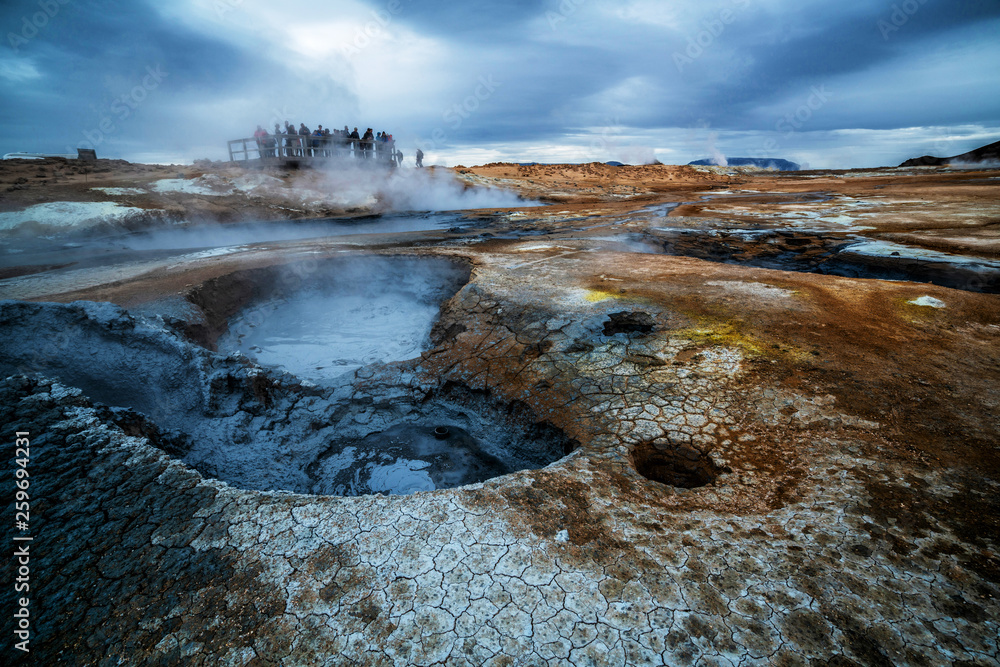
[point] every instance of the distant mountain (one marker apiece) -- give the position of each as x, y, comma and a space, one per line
763, 163
989, 153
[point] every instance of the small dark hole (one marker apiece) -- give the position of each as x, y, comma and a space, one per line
673, 465
629, 322
441, 432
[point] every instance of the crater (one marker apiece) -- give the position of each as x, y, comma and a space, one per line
628, 323
257, 429
319, 321
452, 438
675, 465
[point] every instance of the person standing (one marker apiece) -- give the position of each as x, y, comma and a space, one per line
261, 137
317, 141
356, 141
289, 142
275, 142
303, 143
420, 158
367, 143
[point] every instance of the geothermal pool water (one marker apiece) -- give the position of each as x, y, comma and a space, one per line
403, 459
343, 315
320, 323
319, 335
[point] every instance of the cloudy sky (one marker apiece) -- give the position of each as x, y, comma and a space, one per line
826, 84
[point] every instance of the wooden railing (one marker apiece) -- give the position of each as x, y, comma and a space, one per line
295, 147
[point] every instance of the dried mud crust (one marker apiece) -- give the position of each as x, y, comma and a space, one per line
548, 567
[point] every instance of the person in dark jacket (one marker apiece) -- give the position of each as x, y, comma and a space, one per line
303, 143
368, 144
317, 142
356, 139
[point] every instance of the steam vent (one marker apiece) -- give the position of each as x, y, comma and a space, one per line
612, 416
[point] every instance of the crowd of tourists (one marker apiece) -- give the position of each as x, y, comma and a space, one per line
324, 142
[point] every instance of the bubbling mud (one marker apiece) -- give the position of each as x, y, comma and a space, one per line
266, 429
453, 438
318, 320
350, 315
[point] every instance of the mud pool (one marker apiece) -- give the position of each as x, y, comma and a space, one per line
405, 459
351, 314
318, 336
266, 426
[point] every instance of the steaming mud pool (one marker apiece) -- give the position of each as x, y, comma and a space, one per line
369, 312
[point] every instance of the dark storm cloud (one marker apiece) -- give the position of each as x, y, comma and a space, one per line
565, 68
89, 41
117, 76
763, 52
833, 47
97, 62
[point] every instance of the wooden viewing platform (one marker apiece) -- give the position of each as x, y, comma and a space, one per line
297, 149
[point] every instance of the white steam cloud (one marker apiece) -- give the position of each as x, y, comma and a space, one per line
984, 164
715, 155
410, 190
351, 184
635, 154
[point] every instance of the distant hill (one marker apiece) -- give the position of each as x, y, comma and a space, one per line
763, 163
989, 153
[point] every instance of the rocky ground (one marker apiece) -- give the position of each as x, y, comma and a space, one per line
748, 446
157, 194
